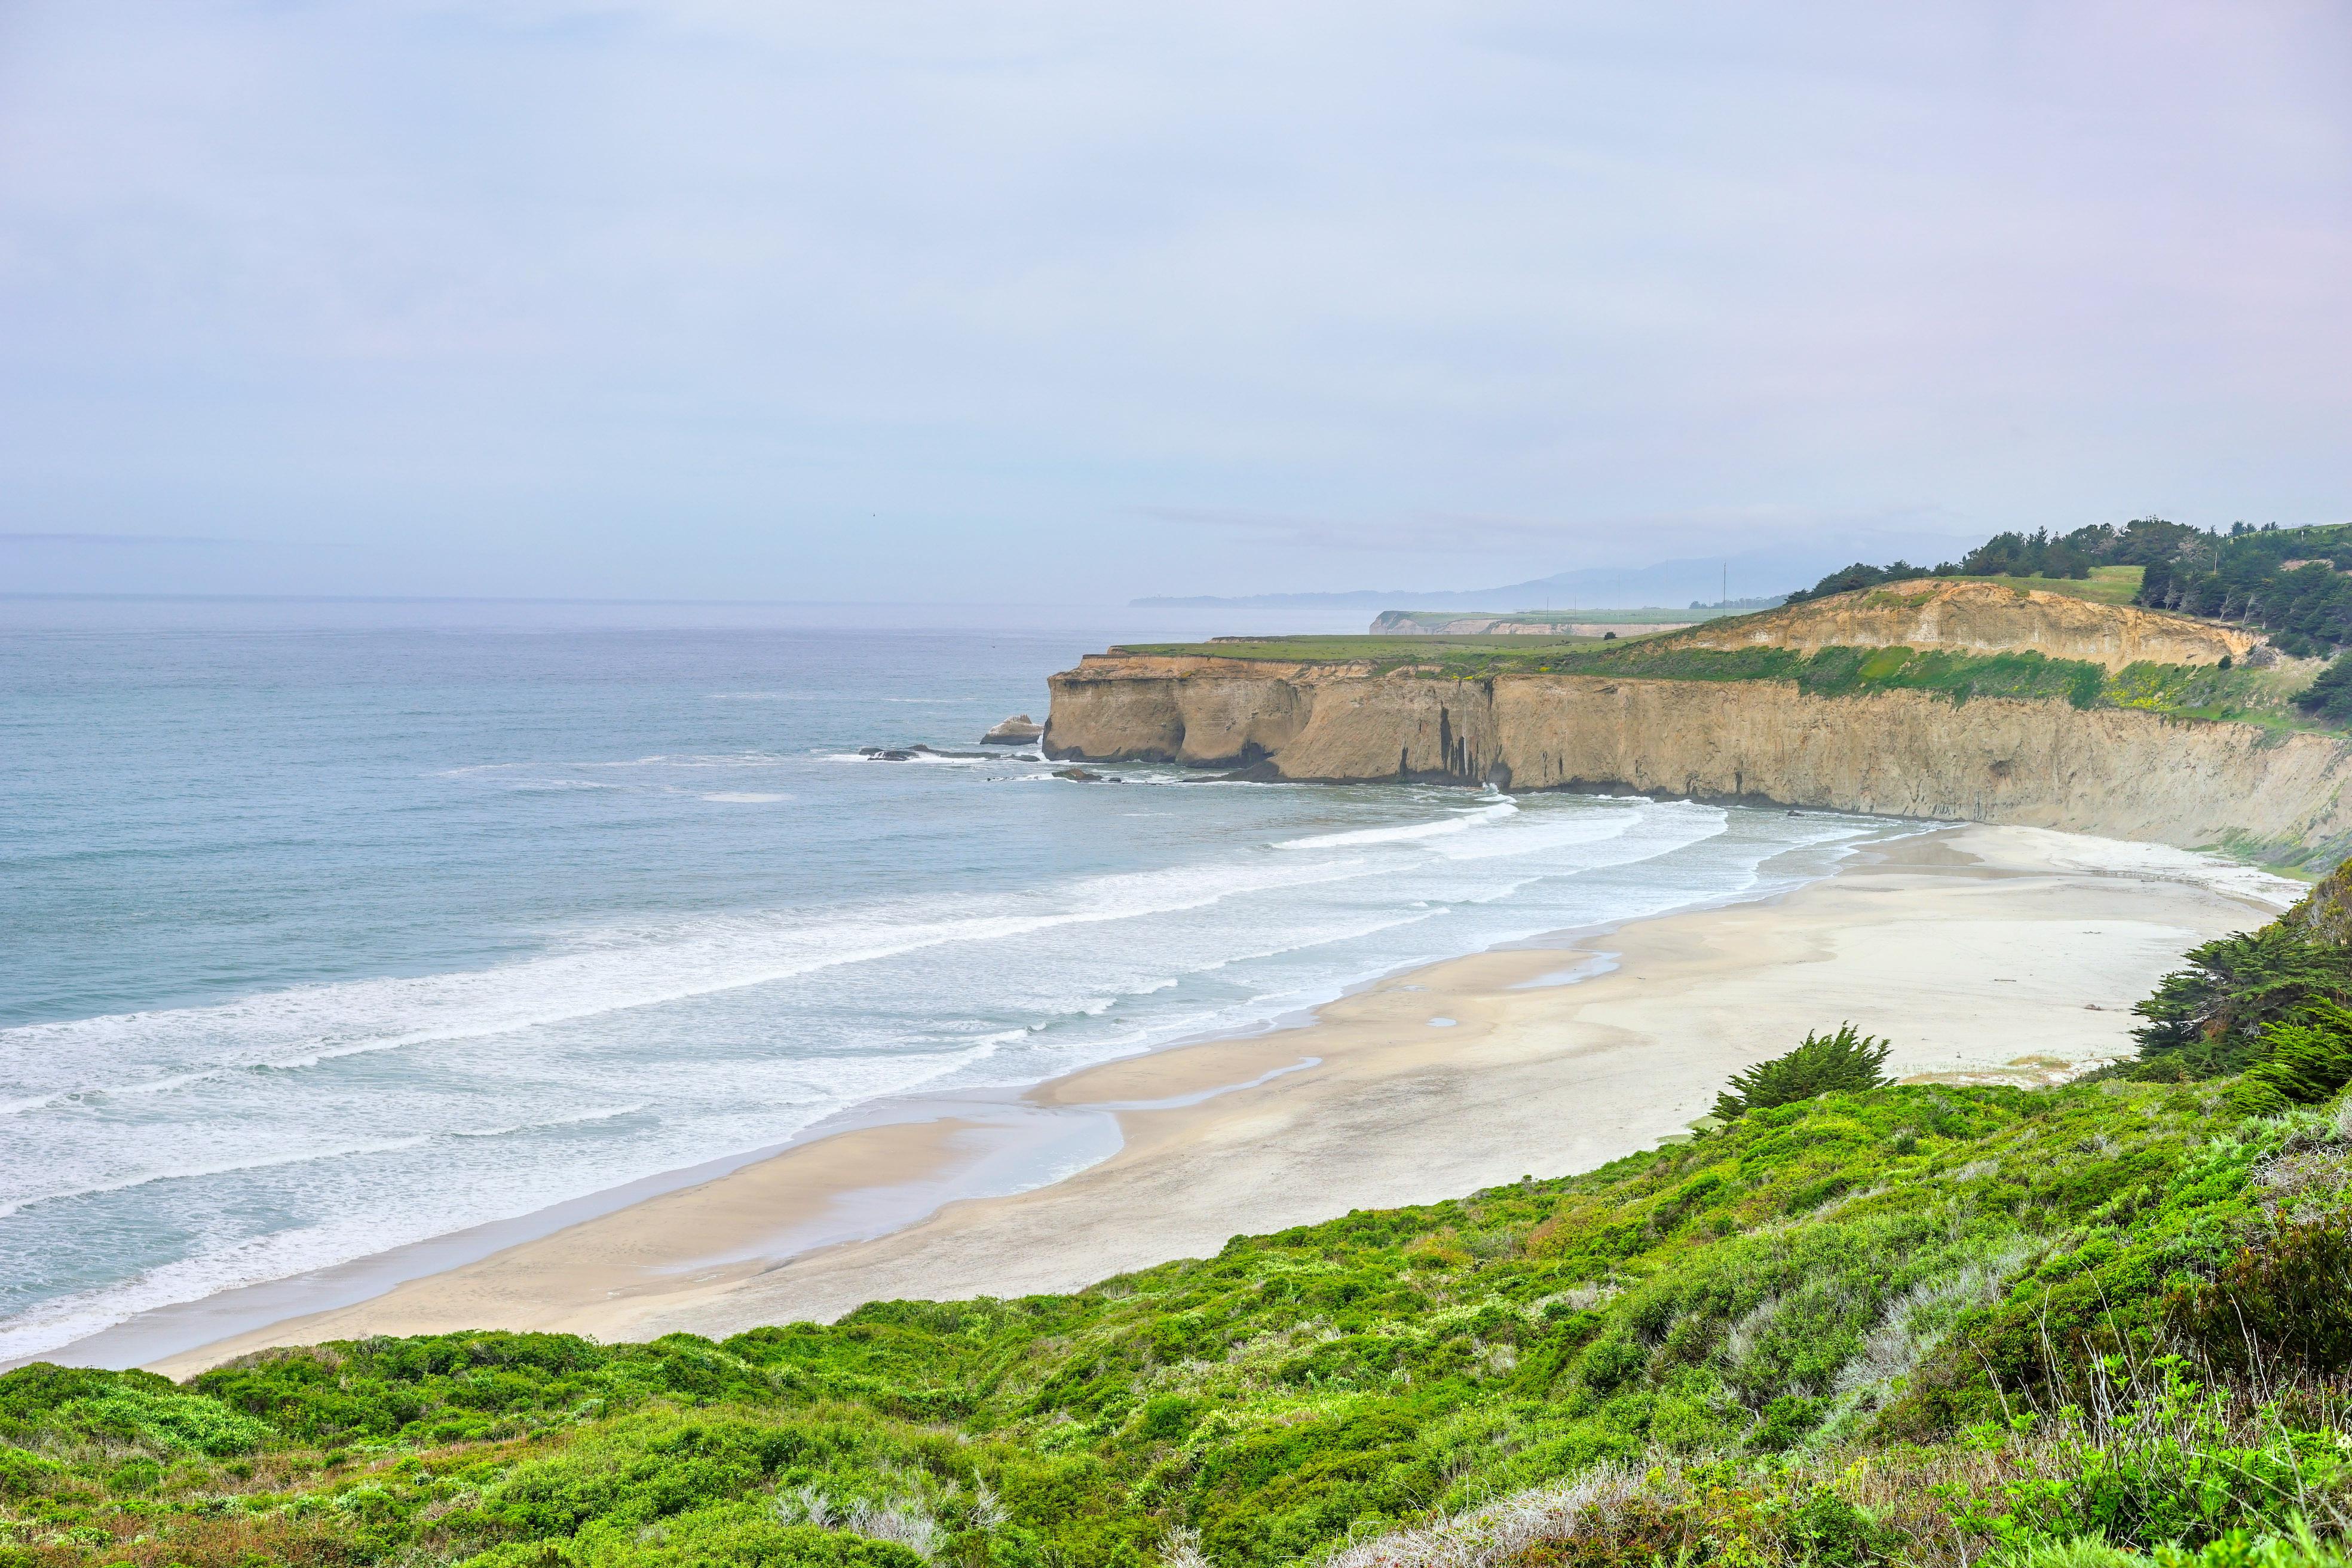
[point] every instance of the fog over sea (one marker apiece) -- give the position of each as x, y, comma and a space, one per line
329, 929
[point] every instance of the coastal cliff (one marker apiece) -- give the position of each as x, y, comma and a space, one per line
2042, 762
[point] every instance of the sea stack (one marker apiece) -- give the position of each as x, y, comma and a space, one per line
1018, 730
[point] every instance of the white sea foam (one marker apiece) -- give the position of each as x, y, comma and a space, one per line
603, 1114
220, 1168
696, 760
2157, 862
1460, 822
607, 971
718, 1032
993, 759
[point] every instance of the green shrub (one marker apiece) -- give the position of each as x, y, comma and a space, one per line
2304, 1061
2207, 1020
83, 1404
2330, 696
2287, 1294
1844, 1060
734, 1535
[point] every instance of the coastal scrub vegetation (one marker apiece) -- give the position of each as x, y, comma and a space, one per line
2273, 1007
2103, 1323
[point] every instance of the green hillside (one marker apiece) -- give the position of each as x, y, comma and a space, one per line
1914, 1324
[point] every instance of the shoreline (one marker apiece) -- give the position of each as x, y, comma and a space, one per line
1032, 1150
1555, 1058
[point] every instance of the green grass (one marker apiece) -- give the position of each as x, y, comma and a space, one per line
1650, 617
2263, 696
1388, 652
1849, 671
2105, 585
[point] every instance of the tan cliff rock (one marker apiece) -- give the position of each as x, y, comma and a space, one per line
1978, 618
2120, 773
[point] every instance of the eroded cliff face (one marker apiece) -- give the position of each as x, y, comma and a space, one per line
1979, 617
2044, 764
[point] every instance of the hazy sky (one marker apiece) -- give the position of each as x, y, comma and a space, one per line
749, 299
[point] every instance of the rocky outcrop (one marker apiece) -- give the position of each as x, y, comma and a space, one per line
1979, 617
2326, 912
1018, 730
2121, 773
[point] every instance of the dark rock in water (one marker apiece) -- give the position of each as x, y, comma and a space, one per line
935, 751
1018, 730
1081, 776
884, 755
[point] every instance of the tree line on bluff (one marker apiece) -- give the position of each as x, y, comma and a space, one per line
2295, 585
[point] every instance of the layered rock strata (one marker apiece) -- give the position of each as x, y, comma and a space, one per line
2120, 773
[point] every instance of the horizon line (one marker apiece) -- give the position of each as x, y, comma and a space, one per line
527, 599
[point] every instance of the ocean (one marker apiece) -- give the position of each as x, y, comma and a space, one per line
331, 929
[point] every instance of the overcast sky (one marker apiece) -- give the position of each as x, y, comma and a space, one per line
749, 299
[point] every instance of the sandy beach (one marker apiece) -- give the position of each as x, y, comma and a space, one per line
1982, 953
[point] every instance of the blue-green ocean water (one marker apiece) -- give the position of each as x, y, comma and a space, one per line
331, 931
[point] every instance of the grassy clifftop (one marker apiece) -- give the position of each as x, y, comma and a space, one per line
2264, 697
2104, 585
1955, 638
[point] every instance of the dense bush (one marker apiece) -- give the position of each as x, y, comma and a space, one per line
2330, 696
2287, 1294
2209, 1018
1823, 1063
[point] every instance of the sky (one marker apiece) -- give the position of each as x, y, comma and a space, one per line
1074, 303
